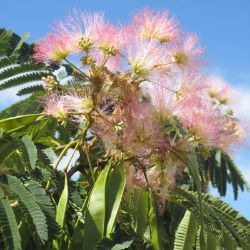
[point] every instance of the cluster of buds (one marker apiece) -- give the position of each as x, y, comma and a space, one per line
143, 92
49, 82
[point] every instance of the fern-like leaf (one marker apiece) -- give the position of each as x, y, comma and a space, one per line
218, 217
4, 62
29, 151
9, 226
22, 79
30, 206
30, 90
185, 234
17, 69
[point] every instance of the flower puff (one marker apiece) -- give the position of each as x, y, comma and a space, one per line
53, 48
156, 26
220, 91
146, 60
186, 54
210, 127
54, 106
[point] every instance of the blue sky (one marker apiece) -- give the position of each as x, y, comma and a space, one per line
223, 27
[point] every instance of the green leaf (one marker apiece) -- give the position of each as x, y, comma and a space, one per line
61, 212
153, 222
22, 79
30, 207
30, 105
8, 146
16, 69
5, 61
114, 193
218, 217
45, 203
141, 211
78, 234
24, 37
9, 226
18, 122
29, 151
62, 204
30, 90
49, 153
124, 245
94, 229
186, 232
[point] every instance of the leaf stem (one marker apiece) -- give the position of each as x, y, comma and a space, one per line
76, 68
58, 161
71, 157
89, 161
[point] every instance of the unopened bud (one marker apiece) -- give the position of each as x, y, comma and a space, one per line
180, 58
84, 44
49, 82
108, 50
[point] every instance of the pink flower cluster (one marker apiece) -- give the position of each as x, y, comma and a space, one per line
148, 96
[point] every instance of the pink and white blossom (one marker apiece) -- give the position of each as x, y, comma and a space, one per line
187, 54
155, 26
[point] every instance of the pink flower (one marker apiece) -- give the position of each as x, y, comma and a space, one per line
187, 54
142, 135
221, 91
109, 39
171, 94
210, 127
53, 47
146, 60
82, 27
55, 106
156, 26
91, 31
161, 179
78, 105
112, 63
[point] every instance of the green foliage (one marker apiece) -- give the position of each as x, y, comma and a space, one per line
43, 208
186, 232
14, 46
217, 216
29, 206
16, 64
103, 206
8, 225
29, 151
19, 122
153, 223
61, 212
221, 170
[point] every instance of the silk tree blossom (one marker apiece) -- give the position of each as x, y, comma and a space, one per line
54, 105
160, 178
111, 62
146, 95
186, 54
220, 91
142, 135
210, 127
191, 84
54, 48
91, 30
156, 26
173, 94
146, 60
78, 102
83, 28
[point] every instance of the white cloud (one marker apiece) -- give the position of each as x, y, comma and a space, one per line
246, 174
242, 106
